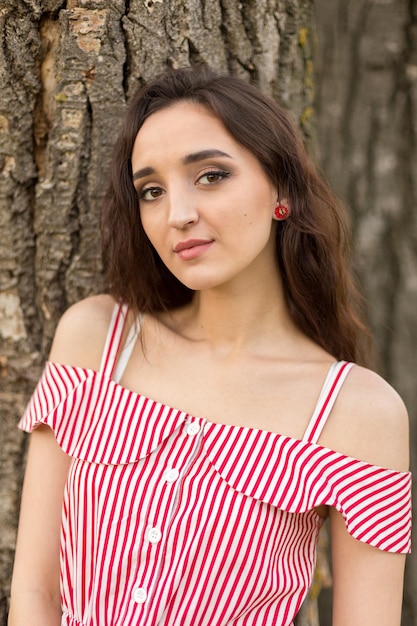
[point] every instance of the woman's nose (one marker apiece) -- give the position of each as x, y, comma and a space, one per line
182, 211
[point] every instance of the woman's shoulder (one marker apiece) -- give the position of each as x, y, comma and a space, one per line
81, 332
369, 421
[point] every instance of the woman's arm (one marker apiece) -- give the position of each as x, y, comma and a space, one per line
368, 582
35, 597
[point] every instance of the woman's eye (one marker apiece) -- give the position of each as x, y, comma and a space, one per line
150, 193
211, 178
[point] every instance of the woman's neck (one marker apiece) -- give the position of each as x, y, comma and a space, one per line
237, 317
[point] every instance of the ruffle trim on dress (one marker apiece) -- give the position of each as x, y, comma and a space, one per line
99, 421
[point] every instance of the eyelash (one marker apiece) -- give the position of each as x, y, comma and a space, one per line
222, 174
142, 192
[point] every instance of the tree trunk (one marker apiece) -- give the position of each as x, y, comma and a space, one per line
67, 69
367, 113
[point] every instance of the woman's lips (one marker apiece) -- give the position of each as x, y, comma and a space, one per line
192, 248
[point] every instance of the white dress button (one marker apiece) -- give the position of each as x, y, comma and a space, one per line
154, 535
171, 475
139, 595
193, 428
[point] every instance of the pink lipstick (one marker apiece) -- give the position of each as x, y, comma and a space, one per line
192, 248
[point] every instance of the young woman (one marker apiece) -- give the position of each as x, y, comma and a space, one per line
193, 429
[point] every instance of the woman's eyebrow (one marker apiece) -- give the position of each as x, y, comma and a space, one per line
204, 154
145, 171
187, 160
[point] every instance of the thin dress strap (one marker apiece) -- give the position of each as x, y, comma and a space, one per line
113, 339
332, 385
127, 350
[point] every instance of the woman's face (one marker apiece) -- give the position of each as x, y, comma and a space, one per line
205, 202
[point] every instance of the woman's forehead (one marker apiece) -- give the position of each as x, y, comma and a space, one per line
183, 128
180, 115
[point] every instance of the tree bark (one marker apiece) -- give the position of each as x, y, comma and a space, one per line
67, 69
367, 127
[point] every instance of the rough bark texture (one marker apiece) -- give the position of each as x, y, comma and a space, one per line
367, 112
66, 72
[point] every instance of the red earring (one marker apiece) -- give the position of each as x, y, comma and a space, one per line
281, 212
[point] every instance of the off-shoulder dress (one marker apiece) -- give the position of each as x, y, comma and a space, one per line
172, 520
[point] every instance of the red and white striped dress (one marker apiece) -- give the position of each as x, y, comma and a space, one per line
169, 519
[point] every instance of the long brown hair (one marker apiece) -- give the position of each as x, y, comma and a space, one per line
312, 245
